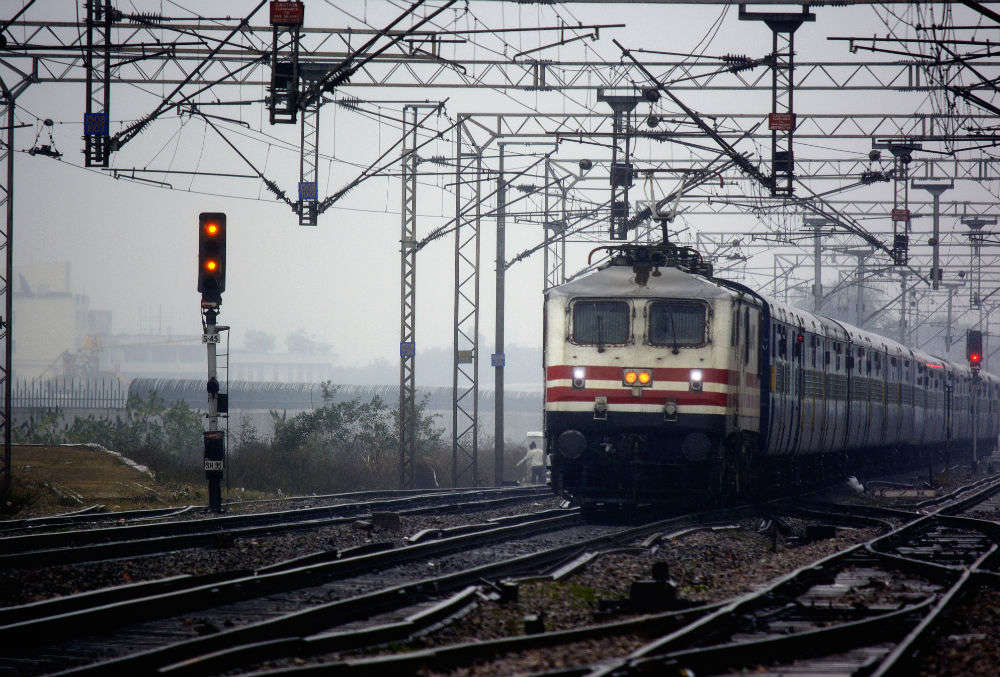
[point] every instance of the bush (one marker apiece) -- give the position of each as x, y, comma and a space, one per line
340, 446
165, 438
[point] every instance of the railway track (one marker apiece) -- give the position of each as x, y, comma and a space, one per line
281, 604
96, 515
84, 545
860, 611
864, 610
882, 591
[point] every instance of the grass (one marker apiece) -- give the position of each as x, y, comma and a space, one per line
56, 479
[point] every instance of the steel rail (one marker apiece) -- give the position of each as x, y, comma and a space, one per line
235, 648
87, 620
207, 538
21, 543
670, 649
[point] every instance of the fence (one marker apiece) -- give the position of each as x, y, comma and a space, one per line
62, 394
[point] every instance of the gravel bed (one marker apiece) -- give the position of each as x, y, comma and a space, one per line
23, 586
151, 634
706, 566
968, 640
944, 480
713, 566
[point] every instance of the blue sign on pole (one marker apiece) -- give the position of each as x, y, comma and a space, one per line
308, 190
407, 348
498, 359
95, 124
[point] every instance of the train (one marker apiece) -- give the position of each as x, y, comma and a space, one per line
662, 380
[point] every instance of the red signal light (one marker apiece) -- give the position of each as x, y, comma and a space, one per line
211, 265
975, 357
212, 229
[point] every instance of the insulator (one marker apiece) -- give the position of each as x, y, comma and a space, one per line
146, 18
739, 62
526, 188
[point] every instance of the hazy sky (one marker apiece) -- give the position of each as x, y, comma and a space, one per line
132, 247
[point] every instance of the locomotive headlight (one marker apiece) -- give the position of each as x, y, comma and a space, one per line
579, 378
645, 378
694, 384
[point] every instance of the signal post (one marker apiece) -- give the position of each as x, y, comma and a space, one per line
211, 284
974, 352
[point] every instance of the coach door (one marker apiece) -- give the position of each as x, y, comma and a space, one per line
777, 440
797, 382
880, 370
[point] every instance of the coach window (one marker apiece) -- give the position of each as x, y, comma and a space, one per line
838, 348
676, 323
601, 322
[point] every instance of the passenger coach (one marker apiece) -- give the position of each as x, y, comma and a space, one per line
660, 381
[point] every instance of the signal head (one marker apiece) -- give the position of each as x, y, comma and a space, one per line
212, 254
974, 347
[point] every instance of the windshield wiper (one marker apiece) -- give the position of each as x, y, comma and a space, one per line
600, 334
673, 335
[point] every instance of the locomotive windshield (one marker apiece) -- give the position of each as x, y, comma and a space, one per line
601, 322
676, 323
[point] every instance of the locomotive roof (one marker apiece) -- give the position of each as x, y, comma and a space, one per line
620, 281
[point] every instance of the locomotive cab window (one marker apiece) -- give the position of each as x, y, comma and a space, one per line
676, 323
601, 322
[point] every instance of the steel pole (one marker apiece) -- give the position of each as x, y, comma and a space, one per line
817, 270
859, 300
8, 303
214, 440
499, 357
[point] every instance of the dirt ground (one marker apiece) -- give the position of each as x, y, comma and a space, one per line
63, 478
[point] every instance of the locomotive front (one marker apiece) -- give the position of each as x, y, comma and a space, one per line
636, 383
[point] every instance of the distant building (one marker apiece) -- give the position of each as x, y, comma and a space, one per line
56, 334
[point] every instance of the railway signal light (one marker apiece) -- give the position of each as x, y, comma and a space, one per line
974, 348
212, 255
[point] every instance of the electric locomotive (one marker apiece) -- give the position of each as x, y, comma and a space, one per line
661, 380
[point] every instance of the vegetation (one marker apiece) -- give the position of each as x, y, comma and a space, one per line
339, 446
164, 437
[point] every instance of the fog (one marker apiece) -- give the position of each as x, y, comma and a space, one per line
132, 245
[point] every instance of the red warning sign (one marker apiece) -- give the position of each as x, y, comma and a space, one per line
781, 122
287, 12
900, 214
